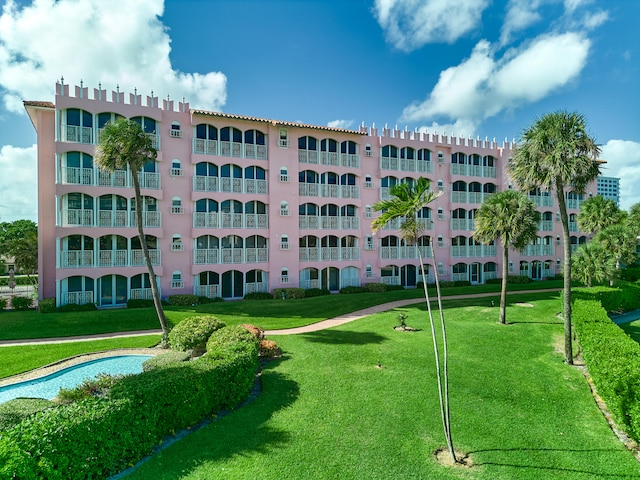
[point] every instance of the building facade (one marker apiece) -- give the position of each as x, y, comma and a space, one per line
238, 204
609, 188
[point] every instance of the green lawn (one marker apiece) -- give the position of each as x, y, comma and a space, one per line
272, 314
326, 411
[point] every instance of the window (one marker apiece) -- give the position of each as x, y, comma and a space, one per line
175, 131
441, 268
368, 243
176, 280
176, 243
176, 168
441, 214
440, 186
368, 183
440, 241
284, 174
176, 205
284, 275
284, 208
368, 271
367, 150
283, 138
368, 211
284, 242
510, 266
440, 156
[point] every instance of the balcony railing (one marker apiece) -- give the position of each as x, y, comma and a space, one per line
76, 297
230, 220
328, 223
574, 203
307, 284
100, 178
403, 252
229, 149
210, 291
473, 170
388, 280
536, 250
140, 294
108, 218
230, 255
463, 251
546, 225
469, 197
541, 200
406, 165
425, 224
330, 191
251, 287
328, 254
463, 224
232, 185
76, 134
76, 258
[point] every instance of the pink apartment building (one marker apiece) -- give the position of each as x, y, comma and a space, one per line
237, 204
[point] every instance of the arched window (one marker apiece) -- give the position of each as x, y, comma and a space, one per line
368, 271
176, 279
176, 168
367, 150
176, 243
284, 242
284, 276
368, 182
284, 208
176, 205
77, 126
440, 241
440, 186
284, 174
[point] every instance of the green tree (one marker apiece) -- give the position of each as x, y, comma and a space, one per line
592, 263
24, 250
512, 218
620, 242
407, 199
123, 144
633, 219
557, 153
597, 213
15, 230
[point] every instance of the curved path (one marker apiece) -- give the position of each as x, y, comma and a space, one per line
314, 327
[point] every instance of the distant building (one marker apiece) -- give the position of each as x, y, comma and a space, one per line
609, 188
238, 204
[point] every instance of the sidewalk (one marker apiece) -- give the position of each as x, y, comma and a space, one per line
314, 327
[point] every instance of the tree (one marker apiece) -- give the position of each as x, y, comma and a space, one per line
18, 229
592, 263
555, 153
407, 199
633, 219
620, 243
123, 144
597, 213
24, 250
512, 218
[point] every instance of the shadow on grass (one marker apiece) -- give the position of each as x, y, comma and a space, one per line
538, 456
337, 337
633, 330
244, 431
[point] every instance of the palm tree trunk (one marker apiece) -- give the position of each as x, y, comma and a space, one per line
503, 289
157, 303
568, 347
443, 377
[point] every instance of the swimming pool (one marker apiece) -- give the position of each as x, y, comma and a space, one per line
49, 385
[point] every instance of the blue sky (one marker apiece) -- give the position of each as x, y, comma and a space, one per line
469, 67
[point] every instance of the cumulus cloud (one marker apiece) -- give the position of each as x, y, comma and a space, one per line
410, 24
119, 42
482, 85
340, 124
520, 14
623, 161
461, 128
18, 183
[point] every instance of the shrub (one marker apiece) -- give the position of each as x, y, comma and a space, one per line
258, 296
229, 341
193, 332
14, 411
518, 279
257, 332
268, 349
91, 387
391, 288
74, 307
164, 359
47, 305
462, 283
375, 287
183, 300
421, 283
139, 303
20, 280
353, 289
203, 300
289, 293
21, 303
316, 292
447, 284
3, 304
631, 273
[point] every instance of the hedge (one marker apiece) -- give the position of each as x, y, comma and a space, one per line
183, 300
193, 332
612, 358
289, 293
353, 289
100, 436
47, 305
258, 296
21, 303
620, 299
316, 292
19, 279
165, 359
14, 411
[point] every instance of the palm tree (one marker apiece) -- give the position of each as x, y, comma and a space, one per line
407, 199
592, 262
123, 144
512, 218
633, 219
597, 213
620, 242
555, 153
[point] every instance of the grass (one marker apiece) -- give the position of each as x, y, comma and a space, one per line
27, 357
269, 314
326, 411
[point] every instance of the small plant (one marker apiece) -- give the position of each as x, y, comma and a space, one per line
288, 293
47, 305
258, 296
203, 300
21, 303
376, 287
193, 332
353, 289
269, 349
402, 319
183, 300
316, 292
91, 387
3, 304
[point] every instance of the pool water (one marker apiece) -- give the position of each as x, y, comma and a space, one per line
48, 387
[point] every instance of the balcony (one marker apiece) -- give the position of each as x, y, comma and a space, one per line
462, 224
230, 220
328, 191
107, 218
310, 222
209, 291
251, 287
325, 254
76, 258
229, 185
141, 294
100, 178
545, 225
76, 297
469, 197
539, 250
425, 224
466, 251
404, 252
574, 203
76, 134
212, 256
541, 200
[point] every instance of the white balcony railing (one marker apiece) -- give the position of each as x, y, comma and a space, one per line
76, 297
230, 220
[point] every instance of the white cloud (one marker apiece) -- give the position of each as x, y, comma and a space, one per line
481, 86
520, 14
119, 42
340, 124
461, 128
410, 24
595, 19
623, 161
18, 183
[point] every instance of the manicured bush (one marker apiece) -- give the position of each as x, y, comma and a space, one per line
518, 279
421, 283
625, 296
16, 410
183, 300
74, 307
203, 300
316, 292
268, 349
229, 340
289, 293
391, 288
353, 289
21, 280
375, 287
21, 303
631, 273
47, 305
447, 284
462, 283
164, 359
3, 304
139, 303
258, 296
193, 332
90, 387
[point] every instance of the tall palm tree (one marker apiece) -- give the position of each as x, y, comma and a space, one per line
620, 242
633, 219
555, 153
597, 213
407, 199
592, 262
513, 219
123, 144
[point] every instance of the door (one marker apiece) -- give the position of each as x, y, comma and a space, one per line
476, 276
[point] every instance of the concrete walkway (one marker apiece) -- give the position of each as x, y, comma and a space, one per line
314, 327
